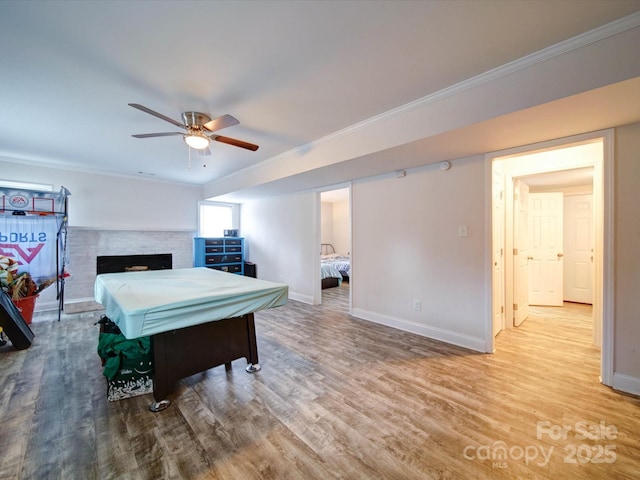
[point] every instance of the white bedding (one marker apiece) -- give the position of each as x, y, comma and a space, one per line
328, 270
150, 302
337, 262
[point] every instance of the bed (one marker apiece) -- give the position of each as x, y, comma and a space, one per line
197, 318
334, 268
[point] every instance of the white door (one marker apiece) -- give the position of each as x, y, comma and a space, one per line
578, 252
498, 249
520, 252
546, 249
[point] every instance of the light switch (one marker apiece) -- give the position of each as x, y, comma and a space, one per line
462, 230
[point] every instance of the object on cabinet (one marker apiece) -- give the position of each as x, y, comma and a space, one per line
222, 253
250, 270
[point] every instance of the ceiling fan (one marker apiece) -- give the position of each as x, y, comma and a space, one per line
199, 128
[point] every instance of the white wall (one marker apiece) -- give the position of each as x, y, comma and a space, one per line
335, 226
283, 236
626, 259
406, 247
326, 222
115, 203
341, 227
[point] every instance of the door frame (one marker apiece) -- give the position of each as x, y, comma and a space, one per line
318, 240
520, 279
603, 195
497, 251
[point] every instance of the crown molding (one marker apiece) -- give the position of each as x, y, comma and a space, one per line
597, 34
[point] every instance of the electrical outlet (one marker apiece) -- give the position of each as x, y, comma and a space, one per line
462, 230
416, 305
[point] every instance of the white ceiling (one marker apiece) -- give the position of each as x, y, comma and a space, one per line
577, 177
335, 196
291, 72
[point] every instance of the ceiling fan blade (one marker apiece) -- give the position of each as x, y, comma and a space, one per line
234, 142
221, 122
148, 135
156, 114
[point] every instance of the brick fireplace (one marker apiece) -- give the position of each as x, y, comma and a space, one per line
86, 245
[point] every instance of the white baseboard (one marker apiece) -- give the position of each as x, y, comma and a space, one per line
46, 306
447, 336
626, 383
70, 306
308, 299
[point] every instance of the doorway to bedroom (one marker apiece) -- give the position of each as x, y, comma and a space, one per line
335, 246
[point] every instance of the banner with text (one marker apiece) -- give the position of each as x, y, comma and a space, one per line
32, 242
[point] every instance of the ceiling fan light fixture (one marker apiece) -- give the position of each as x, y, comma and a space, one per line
197, 126
197, 140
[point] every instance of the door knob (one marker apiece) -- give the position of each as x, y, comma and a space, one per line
560, 255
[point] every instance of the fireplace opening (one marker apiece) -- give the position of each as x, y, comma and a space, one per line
133, 263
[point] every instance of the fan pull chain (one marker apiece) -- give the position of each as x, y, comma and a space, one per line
202, 157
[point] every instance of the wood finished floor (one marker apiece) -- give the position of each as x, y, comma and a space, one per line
337, 397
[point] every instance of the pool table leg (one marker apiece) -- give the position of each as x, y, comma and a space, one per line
161, 385
252, 360
159, 406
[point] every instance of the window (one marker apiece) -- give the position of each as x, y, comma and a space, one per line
214, 218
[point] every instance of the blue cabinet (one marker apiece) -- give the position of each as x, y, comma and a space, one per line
224, 253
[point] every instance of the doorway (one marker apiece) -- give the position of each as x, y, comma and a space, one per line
335, 245
554, 235
589, 152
